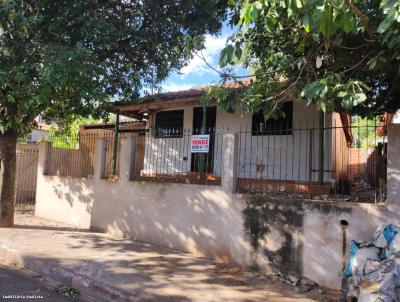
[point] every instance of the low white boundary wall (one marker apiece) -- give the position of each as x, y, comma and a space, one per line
208, 220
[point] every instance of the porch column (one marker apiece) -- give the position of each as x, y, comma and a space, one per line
230, 149
393, 166
127, 158
100, 158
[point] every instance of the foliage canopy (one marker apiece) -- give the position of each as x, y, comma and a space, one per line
65, 58
68, 58
342, 55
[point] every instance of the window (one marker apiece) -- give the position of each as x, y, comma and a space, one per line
169, 123
279, 126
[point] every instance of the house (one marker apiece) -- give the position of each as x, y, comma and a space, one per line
165, 185
388, 119
37, 134
292, 152
40, 131
107, 131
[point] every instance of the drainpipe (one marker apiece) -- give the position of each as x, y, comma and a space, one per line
344, 224
115, 151
321, 147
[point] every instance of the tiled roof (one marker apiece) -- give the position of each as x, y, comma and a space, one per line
193, 92
43, 126
176, 94
133, 125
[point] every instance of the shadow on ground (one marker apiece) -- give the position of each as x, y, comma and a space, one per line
144, 271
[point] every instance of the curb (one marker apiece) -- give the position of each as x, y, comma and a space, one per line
90, 289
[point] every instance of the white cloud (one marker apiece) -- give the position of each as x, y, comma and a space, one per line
213, 46
172, 86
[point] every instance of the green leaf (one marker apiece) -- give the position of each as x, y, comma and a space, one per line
314, 90
223, 58
254, 13
306, 22
226, 55
238, 52
372, 63
387, 4
348, 103
387, 22
326, 23
348, 24
321, 105
359, 98
315, 37
10, 99
258, 5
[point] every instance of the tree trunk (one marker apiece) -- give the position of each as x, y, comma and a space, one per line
8, 149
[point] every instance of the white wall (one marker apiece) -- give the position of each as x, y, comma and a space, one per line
208, 220
396, 117
64, 199
284, 157
37, 135
322, 240
203, 220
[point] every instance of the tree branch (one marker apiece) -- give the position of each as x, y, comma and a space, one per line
222, 74
360, 15
358, 64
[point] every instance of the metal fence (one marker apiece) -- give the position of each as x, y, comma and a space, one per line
347, 163
71, 155
166, 156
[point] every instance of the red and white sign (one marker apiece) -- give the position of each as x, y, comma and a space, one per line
200, 143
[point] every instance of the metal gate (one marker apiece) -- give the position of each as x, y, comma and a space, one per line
27, 165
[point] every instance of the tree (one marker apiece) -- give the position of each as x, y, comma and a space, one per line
65, 58
66, 135
342, 55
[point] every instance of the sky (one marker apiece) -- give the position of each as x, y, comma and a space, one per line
197, 73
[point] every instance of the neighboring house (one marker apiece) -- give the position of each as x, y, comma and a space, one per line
41, 130
388, 119
36, 135
286, 150
396, 118
89, 133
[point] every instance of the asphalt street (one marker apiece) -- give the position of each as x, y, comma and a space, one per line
19, 285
